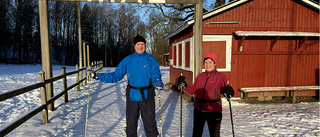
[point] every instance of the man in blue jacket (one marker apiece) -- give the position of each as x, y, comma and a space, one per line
143, 76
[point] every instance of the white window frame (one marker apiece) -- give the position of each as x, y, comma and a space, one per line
176, 46
228, 40
183, 65
225, 38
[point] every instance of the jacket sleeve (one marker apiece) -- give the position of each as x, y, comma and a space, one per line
155, 71
192, 89
115, 76
224, 82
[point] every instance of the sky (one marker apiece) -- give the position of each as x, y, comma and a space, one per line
106, 111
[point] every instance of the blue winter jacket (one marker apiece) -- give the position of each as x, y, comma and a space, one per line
139, 69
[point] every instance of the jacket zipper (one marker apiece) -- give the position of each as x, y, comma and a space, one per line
204, 90
139, 75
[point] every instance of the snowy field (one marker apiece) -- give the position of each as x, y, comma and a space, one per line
107, 111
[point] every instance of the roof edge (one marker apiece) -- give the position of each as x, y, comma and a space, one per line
277, 33
177, 30
204, 16
312, 4
221, 9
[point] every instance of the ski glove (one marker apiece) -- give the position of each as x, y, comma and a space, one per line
227, 91
91, 73
159, 84
182, 82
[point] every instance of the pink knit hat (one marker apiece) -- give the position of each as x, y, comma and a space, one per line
212, 56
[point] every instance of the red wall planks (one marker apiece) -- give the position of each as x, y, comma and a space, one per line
256, 65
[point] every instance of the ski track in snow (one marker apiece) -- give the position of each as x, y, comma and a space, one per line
107, 110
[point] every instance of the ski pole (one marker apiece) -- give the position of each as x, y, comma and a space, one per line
181, 86
230, 112
85, 132
160, 113
181, 113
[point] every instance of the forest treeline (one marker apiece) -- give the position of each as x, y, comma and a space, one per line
108, 28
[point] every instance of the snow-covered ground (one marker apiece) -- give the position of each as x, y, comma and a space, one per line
107, 111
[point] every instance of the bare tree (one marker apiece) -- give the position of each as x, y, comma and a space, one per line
4, 31
109, 29
23, 12
110, 42
219, 3
56, 13
157, 28
178, 12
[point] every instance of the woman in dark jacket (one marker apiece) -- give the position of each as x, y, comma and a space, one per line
208, 88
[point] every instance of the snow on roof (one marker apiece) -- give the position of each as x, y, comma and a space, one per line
276, 33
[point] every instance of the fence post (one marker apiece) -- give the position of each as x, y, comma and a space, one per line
77, 77
80, 39
92, 67
95, 65
84, 60
88, 56
43, 98
64, 80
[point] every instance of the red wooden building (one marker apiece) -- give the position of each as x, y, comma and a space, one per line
165, 59
260, 43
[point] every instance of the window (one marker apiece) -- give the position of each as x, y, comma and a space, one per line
183, 52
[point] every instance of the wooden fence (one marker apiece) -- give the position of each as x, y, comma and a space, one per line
97, 67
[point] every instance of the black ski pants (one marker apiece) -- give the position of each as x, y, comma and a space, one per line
213, 120
147, 110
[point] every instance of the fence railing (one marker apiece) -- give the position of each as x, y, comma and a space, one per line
97, 67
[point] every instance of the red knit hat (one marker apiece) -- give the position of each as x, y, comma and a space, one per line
212, 56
